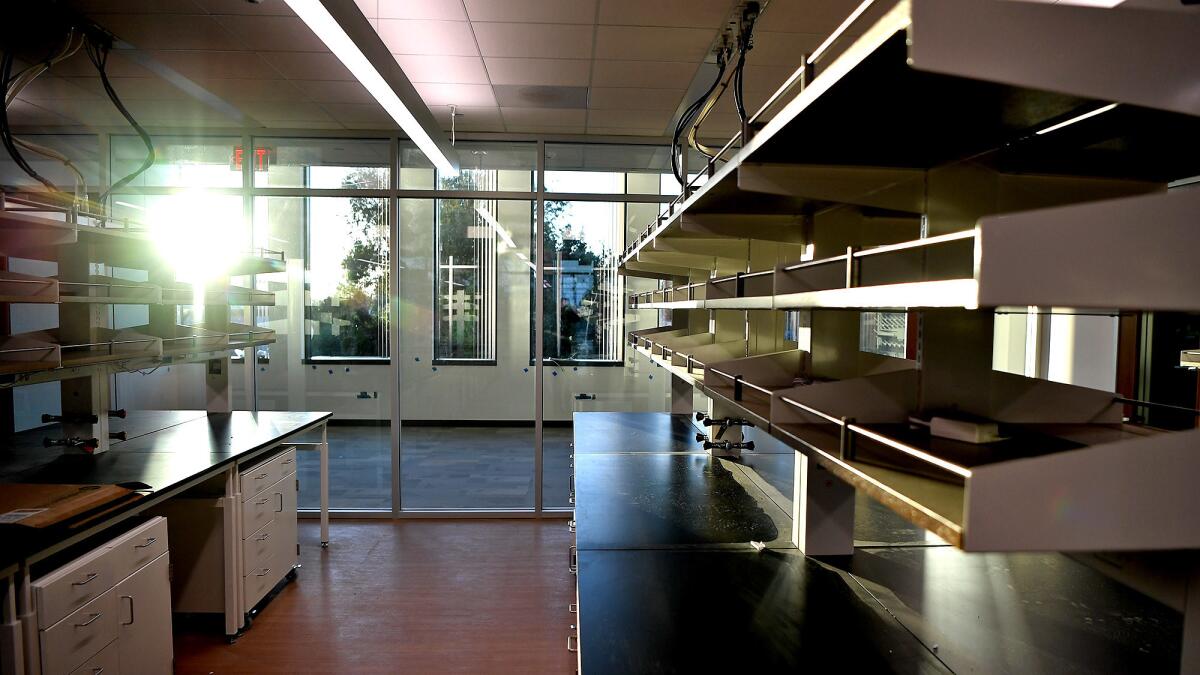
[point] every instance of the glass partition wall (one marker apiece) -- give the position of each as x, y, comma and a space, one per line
411, 305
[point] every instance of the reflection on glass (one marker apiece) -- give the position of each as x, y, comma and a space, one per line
580, 286
503, 167
883, 333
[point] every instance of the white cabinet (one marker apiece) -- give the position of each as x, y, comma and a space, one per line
230, 550
109, 610
144, 619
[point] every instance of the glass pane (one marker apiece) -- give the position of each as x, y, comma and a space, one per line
331, 299
883, 333
321, 163
466, 384
495, 167
471, 235
607, 169
581, 287
629, 383
179, 161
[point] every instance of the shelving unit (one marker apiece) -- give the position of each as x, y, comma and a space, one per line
942, 159
84, 350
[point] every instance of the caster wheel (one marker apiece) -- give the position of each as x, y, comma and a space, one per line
324, 544
231, 639
291, 576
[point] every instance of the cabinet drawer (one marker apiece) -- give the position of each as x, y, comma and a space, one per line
254, 481
261, 579
259, 509
287, 462
107, 661
265, 474
73, 585
258, 547
137, 548
81, 635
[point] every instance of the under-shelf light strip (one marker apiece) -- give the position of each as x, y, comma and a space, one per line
1079, 118
313, 13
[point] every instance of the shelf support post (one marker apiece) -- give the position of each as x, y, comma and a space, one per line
822, 511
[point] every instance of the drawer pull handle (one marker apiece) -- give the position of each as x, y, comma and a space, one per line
149, 542
263, 537
91, 576
572, 643
261, 476
94, 615
572, 559
571, 525
265, 571
288, 461
280, 509
262, 501
573, 608
130, 599
97, 670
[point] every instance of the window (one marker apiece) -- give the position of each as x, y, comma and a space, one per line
581, 289
346, 277
883, 333
321, 163
469, 238
178, 162
493, 167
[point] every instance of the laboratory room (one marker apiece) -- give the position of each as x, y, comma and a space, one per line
612, 337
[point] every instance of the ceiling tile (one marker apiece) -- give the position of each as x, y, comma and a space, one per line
471, 95
671, 13
540, 96
138, 6
781, 49
236, 7
182, 113
169, 31
58, 88
358, 113
655, 74
118, 65
306, 125
631, 98
806, 16
369, 9
445, 69
619, 131
630, 119
24, 113
554, 72
237, 90
546, 129
278, 110
333, 91
132, 88
533, 11
553, 41
413, 36
469, 119
307, 66
200, 65
555, 117
439, 10
272, 33
637, 43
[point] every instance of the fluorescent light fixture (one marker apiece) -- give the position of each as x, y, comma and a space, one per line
313, 13
491, 220
127, 205
1080, 118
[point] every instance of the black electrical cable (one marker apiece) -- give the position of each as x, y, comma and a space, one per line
6, 131
686, 118
99, 57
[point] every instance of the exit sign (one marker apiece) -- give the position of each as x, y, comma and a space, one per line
260, 159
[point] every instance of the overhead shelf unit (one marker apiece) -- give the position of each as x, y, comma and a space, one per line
873, 125
84, 349
980, 170
1055, 257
